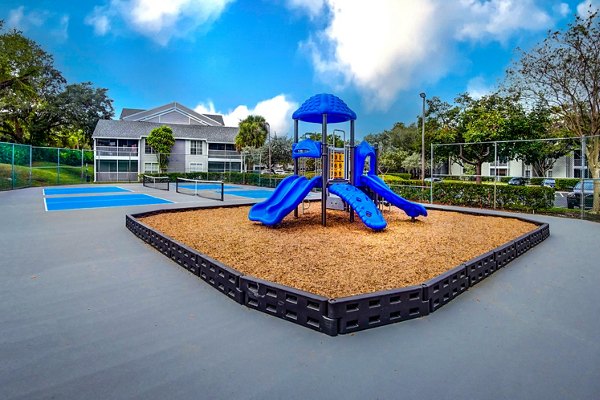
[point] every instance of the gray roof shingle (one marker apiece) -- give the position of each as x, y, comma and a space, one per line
120, 129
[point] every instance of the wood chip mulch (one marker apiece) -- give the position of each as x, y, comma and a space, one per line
344, 258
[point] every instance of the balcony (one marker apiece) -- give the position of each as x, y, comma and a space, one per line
224, 154
114, 151
116, 177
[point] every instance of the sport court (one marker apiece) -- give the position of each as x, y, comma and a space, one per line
126, 195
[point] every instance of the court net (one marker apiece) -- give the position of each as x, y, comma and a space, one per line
208, 189
156, 182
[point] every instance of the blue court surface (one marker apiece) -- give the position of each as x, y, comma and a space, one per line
85, 202
253, 194
84, 190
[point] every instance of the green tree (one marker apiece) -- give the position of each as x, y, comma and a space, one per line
252, 132
27, 79
476, 122
542, 154
77, 108
281, 151
563, 72
161, 140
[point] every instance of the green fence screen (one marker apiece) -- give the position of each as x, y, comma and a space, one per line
23, 166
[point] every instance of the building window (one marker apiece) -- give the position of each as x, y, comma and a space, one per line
151, 167
148, 149
195, 147
221, 146
224, 166
195, 167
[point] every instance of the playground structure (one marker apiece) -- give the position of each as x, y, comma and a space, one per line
341, 175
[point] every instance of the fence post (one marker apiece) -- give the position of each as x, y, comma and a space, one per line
12, 170
57, 166
82, 178
582, 175
30, 164
495, 170
431, 186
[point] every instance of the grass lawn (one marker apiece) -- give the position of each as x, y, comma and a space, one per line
42, 175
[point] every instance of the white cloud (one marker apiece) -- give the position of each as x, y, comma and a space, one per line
99, 20
587, 6
499, 19
277, 111
25, 20
477, 87
312, 7
383, 47
18, 19
159, 20
562, 9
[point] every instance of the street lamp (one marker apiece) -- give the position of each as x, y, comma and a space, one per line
269, 138
423, 95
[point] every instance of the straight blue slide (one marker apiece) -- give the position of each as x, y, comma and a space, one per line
288, 194
375, 183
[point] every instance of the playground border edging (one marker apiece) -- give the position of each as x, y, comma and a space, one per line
341, 315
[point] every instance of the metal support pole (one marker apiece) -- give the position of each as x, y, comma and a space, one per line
58, 167
269, 132
12, 171
351, 164
324, 170
495, 170
296, 160
423, 138
431, 186
582, 194
30, 164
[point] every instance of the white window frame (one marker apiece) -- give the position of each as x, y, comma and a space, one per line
195, 167
151, 167
196, 147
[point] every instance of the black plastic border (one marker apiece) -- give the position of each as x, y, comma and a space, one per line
342, 315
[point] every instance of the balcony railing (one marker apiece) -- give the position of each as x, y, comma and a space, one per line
116, 177
114, 151
226, 154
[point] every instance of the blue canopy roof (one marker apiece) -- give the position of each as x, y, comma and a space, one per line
312, 110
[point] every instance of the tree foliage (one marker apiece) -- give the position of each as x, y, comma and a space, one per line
543, 153
252, 132
281, 151
563, 73
477, 122
161, 140
36, 104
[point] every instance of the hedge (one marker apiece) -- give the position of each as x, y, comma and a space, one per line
507, 197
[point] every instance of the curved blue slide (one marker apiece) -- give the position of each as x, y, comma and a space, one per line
375, 183
361, 203
288, 194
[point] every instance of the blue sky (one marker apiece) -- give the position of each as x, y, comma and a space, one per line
237, 57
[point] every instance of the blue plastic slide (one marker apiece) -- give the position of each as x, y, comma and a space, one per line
288, 194
375, 183
361, 203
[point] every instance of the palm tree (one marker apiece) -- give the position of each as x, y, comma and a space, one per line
252, 132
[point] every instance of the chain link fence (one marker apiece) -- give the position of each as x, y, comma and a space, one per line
24, 166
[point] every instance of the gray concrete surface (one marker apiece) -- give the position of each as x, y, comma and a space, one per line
88, 311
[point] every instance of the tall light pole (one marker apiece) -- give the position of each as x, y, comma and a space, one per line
269, 139
423, 95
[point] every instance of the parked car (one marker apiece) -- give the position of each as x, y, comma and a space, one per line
517, 181
279, 172
549, 182
434, 179
574, 197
